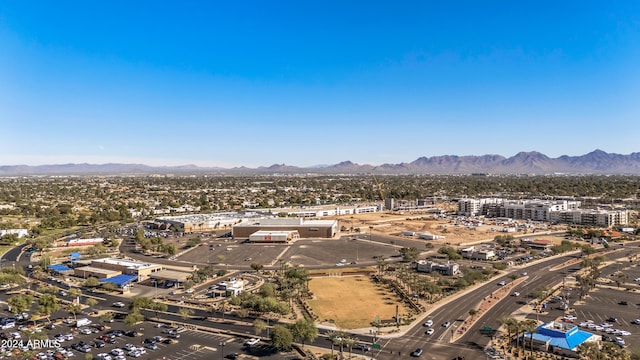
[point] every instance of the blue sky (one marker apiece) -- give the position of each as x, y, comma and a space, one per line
253, 83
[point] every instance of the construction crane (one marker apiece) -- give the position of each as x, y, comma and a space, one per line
379, 187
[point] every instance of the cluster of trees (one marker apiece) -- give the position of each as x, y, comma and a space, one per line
565, 246
282, 336
154, 244
139, 303
516, 328
12, 275
503, 240
450, 252
92, 282
409, 253
589, 277
264, 301
605, 351
201, 275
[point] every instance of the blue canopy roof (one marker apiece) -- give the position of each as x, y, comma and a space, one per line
75, 255
59, 267
120, 280
569, 339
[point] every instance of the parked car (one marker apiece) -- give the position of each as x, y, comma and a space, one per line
251, 342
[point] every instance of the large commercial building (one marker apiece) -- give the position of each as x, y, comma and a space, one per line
305, 228
207, 222
128, 267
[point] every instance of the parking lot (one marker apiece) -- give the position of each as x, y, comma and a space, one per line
100, 344
606, 302
308, 252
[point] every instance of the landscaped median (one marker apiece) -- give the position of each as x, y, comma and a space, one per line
484, 305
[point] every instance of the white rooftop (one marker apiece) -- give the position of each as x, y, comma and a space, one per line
126, 263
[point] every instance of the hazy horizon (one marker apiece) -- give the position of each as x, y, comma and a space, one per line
307, 83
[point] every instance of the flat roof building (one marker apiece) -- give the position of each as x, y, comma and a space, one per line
305, 228
96, 272
274, 236
130, 267
444, 269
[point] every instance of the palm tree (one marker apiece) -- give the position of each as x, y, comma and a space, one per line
349, 342
332, 336
508, 322
529, 326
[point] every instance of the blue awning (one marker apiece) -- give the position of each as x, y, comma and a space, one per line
59, 267
120, 280
75, 256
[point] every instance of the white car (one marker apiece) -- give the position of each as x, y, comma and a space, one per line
502, 283
428, 323
430, 331
119, 304
636, 322
515, 294
339, 264
117, 352
251, 342
637, 280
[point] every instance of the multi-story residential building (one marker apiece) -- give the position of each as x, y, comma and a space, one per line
558, 211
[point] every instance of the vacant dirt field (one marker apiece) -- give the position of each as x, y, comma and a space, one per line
396, 223
352, 302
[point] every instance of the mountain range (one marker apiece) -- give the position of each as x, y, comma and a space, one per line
532, 163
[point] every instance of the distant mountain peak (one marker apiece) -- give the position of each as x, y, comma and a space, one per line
524, 162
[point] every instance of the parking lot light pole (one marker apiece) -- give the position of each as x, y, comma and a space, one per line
222, 350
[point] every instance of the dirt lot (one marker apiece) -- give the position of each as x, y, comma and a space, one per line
349, 301
396, 223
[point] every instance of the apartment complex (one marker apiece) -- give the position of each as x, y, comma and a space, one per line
558, 211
